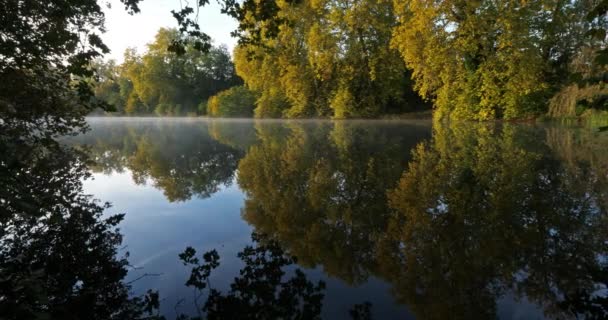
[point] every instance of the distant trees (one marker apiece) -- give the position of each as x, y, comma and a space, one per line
163, 82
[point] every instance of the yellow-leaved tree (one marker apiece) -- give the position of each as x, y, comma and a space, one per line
486, 59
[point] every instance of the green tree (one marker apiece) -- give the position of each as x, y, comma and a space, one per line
585, 88
164, 82
332, 58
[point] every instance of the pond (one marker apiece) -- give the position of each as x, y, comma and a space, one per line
404, 219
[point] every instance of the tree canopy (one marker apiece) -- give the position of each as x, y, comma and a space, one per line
472, 59
316, 58
492, 59
326, 58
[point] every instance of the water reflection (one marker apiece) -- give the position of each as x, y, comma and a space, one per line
485, 209
480, 211
59, 258
261, 291
454, 223
321, 189
182, 160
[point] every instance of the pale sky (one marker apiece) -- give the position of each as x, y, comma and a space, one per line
124, 30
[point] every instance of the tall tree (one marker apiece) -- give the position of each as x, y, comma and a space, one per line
322, 58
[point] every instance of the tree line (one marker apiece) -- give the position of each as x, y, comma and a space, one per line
477, 60
471, 59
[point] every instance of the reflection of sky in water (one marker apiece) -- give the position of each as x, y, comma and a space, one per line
156, 231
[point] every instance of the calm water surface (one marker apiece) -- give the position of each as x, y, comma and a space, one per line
421, 221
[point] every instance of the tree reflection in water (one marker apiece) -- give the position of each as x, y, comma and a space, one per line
59, 257
321, 189
481, 211
261, 291
181, 159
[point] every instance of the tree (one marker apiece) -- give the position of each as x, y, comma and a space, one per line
585, 88
107, 85
486, 59
300, 56
158, 81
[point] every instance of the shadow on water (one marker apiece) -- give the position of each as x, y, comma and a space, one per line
453, 222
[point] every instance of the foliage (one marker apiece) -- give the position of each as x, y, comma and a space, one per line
164, 82
487, 59
572, 100
46, 51
587, 87
234, 102
322, 58
59, 254
474, 60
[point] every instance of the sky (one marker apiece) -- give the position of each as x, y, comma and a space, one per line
124, 31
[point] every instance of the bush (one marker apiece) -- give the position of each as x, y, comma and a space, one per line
595, 118
162, 109
177, 110
234, 102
